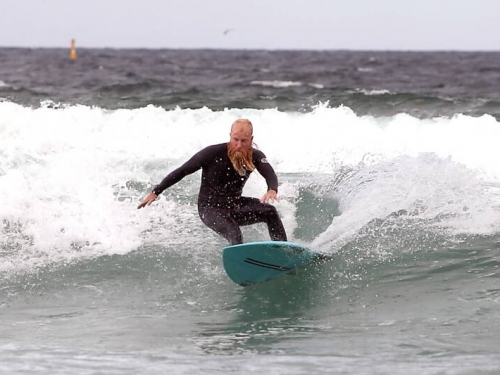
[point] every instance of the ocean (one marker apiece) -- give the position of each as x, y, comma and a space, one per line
388, 162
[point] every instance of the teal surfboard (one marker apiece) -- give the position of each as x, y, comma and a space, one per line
256, 262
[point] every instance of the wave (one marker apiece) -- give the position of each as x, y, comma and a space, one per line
292, 95
285, 84
183, 276
71, 178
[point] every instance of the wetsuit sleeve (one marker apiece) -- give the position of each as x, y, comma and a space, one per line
266, 171
189, 167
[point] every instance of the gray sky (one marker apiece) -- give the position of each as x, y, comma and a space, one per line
253, 24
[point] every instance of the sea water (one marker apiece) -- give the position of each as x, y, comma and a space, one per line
394, 175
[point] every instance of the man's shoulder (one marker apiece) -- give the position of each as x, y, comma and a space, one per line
259, 156
256, 151
221, 147
212, 152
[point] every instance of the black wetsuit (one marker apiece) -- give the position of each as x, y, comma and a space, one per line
220, 204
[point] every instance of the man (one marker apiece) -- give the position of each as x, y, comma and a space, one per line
225, 170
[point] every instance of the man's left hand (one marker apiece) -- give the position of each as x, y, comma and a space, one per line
270, 196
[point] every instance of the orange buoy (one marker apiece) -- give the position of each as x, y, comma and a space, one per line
72, 51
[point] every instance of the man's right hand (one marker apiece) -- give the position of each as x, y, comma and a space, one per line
148, 200
270, 196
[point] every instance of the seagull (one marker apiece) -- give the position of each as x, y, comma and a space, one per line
227, 31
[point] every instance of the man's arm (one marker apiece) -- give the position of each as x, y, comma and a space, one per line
267, 171
191, 166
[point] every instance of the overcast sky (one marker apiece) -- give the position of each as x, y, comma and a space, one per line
253, 24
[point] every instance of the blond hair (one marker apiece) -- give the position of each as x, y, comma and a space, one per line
242, 123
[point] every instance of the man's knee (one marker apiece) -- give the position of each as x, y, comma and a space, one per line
222, 226
270, 210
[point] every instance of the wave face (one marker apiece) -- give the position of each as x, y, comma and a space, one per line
406, 204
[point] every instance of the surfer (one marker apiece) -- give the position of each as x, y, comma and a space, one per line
226, 168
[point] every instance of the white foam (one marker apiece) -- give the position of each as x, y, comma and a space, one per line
276, 84
67, 175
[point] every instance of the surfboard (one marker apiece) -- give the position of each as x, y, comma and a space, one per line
256, 262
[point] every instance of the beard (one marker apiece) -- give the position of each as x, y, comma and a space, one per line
241, 159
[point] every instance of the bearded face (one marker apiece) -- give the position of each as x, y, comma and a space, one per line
241, 158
